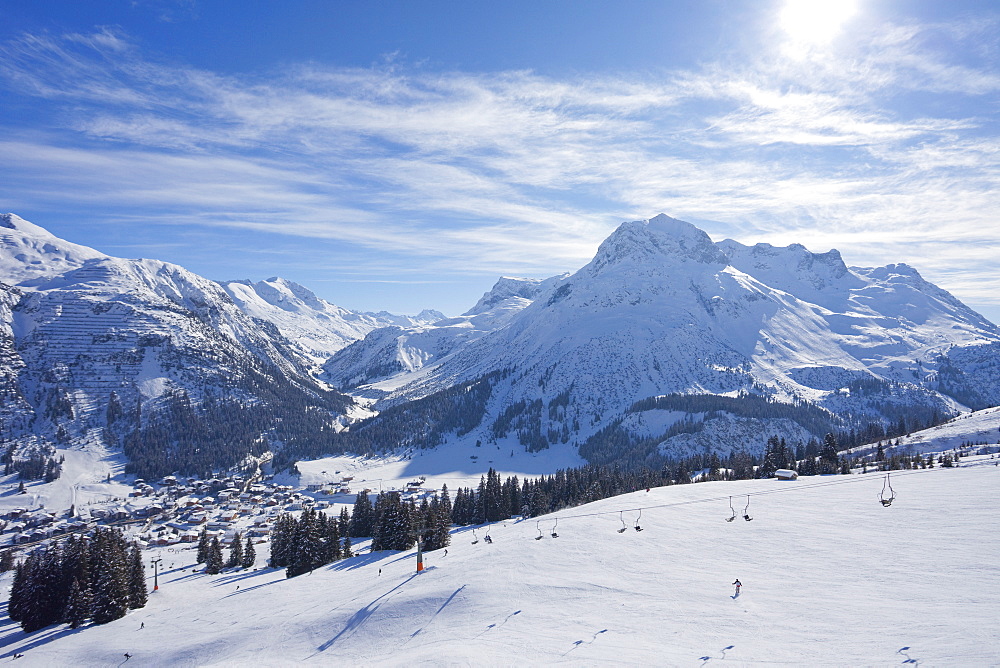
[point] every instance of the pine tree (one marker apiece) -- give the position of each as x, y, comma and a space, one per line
347, 550
828, 455
344, 523
18, 593
363, 516
6, 560
309, 549
213, 562
44, 577
78, 605
279, 542
249, 553
109, 590
235, 552
331, 542
203, 543
137, 592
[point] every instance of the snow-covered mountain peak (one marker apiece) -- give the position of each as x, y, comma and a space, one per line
12, 221
285, 294
660, 240
505, 288
818, 277
429, 316
29, 252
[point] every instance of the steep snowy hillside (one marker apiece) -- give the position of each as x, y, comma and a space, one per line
316, 327
791, 342
130, 348
829, 578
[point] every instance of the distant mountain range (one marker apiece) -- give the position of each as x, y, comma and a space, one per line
666, 343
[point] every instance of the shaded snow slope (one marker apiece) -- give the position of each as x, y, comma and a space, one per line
830, 578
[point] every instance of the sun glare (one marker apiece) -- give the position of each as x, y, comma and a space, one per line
811, 23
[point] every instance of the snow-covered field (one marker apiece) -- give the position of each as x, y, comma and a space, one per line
450, 464
830, 577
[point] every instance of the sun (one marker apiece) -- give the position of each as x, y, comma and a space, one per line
812, 23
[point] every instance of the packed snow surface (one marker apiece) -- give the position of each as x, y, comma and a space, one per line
830, 577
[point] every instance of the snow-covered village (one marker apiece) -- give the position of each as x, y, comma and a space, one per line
499, 334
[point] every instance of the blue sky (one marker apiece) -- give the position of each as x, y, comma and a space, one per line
403, 155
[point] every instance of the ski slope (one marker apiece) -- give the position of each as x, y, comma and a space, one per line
830, 577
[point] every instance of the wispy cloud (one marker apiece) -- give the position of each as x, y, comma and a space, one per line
864, 147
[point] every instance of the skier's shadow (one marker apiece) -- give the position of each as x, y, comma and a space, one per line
706, 659
581, 642
903, 651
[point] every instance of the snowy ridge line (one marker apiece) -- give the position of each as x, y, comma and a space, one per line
849, 479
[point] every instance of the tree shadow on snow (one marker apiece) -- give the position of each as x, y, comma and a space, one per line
38, 638
240, 576
359, 617
443, 606
360, 560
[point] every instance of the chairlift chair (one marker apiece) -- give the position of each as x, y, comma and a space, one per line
746, 511
637, 527
475, 538
887, 501
487, 537
621, 516
730, 519
554, 534
538, 525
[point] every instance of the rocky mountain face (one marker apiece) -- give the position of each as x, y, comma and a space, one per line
669, 342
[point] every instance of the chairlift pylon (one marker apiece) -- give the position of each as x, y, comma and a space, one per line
637, 527
621, 516
887, 501
554, 534
746, 511
730, 519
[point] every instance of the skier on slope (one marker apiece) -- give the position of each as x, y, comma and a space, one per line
738, 585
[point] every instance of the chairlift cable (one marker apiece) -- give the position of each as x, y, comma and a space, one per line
842, 480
